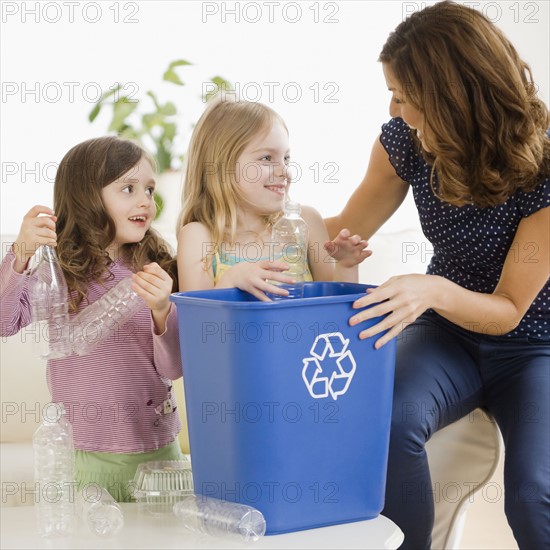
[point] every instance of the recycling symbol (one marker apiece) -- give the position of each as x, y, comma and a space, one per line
330, 368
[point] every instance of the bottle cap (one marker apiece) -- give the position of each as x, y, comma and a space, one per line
252, 526
53, 412
293, 206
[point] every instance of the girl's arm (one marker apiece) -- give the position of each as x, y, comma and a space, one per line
166, 348
525, 271
154, 285
323, 266
195, 246
378, 196
14, 302
35, 230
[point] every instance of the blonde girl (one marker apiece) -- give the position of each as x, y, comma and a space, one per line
236, 182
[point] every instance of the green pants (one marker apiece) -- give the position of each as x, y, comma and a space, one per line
115, 471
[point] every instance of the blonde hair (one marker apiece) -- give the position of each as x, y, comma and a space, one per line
487, 129
210, 192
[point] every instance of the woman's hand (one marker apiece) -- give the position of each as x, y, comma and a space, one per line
348, 250
253, 276
36, 230
154, 285
404, 298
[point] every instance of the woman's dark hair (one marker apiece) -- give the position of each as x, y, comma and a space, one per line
487, 128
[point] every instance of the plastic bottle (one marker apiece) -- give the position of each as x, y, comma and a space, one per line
95, 323
289, 238
54, 473
49, 300
100, 511
219, 518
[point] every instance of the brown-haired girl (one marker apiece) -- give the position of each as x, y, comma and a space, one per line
119, 398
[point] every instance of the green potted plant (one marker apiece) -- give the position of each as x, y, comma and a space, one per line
156, 125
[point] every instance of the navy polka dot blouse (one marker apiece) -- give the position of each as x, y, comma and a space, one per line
469, 243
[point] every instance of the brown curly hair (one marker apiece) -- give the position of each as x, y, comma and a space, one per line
479, 103
84, 229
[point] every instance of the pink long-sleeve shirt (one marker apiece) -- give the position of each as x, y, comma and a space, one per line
119, 397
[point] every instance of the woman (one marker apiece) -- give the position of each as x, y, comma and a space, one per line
469, 136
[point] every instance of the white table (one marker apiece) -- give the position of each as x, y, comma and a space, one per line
18, 530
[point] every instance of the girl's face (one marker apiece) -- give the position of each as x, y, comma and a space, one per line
262, 171
400, 107
129, 201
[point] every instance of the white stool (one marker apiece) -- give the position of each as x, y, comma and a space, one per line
463, 457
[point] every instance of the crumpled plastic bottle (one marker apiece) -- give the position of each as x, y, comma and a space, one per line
49, 300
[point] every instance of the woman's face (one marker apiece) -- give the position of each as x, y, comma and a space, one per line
402, 108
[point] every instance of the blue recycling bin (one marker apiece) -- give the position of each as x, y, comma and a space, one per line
288, 410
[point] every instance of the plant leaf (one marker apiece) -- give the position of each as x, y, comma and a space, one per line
130, 133
169, 131
163, 158
154, 98
95, 111
122, 109
221, 84
159, 201
171, 76
220, 81
168, 109
179, 63
152, 119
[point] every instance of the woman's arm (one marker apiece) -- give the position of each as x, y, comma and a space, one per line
378, 196
525, 271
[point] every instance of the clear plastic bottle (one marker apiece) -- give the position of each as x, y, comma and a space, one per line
95, 323
100, 511
49, 300
55, 473
289, 238
219, 518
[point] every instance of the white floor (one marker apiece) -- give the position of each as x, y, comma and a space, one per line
486, 527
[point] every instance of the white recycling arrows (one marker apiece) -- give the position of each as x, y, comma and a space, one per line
321, 383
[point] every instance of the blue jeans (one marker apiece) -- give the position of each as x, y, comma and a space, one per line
444, 372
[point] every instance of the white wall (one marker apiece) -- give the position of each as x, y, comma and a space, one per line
60, 44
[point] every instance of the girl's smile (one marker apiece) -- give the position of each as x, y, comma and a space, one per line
130, 203
140, 221
263, 165
278, 189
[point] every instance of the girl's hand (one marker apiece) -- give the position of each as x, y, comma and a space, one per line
348, 250
252, 277
403, 298
35, 231
154, 285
